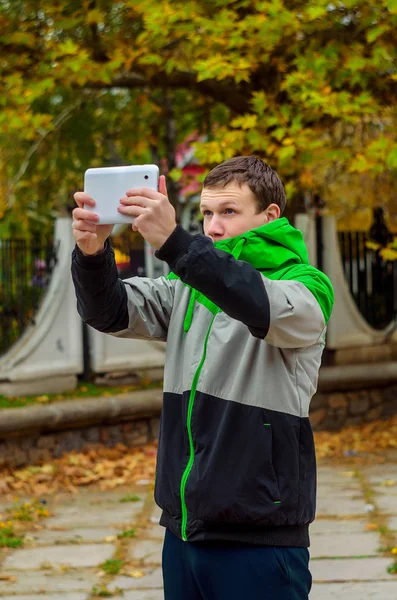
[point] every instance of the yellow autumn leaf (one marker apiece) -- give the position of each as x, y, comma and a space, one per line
388, 254
42, 399
372, 245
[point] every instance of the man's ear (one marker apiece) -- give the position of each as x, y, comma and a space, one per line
272, 212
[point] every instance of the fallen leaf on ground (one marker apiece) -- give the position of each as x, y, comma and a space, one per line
106, 467
110, 538
367, 440
109, 468
6, 577
42, 399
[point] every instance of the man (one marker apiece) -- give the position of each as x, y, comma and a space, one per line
244, 317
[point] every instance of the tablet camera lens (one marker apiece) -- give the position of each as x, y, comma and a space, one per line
146, 176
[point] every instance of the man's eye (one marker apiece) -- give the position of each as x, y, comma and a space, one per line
206, 213
229, 211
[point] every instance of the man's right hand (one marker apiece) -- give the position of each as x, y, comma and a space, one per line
89, 236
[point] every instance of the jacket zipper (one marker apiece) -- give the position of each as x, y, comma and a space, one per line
189, 465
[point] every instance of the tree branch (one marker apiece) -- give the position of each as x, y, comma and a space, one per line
58, 122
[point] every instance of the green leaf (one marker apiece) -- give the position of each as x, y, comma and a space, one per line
95, 16
68, 47
392, 6
391, 159
376, 32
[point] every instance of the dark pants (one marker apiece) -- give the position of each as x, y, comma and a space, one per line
217, 571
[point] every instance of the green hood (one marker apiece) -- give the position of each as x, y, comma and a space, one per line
279, 252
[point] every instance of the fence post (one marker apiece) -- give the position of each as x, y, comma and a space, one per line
86, 353
319, 241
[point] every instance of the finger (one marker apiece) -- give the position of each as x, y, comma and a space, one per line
132, 211
145, 192
81, 225
163, 185
82, 198
136, 224
86, 215
137, 201
81, 236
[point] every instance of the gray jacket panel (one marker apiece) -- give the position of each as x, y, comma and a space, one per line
150, 303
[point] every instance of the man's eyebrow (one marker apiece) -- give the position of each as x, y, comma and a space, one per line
221, 203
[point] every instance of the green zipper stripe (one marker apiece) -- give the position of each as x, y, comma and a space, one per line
199, 297
189, 465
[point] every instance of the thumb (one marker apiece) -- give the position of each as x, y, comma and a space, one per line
163, 185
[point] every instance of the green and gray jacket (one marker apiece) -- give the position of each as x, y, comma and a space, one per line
244, 320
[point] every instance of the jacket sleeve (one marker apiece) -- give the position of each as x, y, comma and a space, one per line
137, 308
296, 319
284, 313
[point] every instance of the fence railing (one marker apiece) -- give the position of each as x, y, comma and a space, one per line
372, 280
25, 272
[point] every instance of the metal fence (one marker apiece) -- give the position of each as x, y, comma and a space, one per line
25, 272
372, 280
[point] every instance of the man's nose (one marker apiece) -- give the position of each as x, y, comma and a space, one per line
215, 227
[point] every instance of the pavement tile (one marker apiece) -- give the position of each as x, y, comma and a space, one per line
148, 550
359, 544
384, 489
353, 569
47, 537
48, 581
331, 526
156, 512
84, 555
74, 517
387, 503
153, 579
339, 491
381, 590
339, 506
377, 474
66, 596
332, 475
144, 595
155, 532
392, 523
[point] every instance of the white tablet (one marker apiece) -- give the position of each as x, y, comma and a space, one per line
107, 185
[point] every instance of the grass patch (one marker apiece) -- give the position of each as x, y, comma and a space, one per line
130, 498
392, 569
27, 511
20, 517
83, 390
8, 537
128, 533
112, 566
101, 591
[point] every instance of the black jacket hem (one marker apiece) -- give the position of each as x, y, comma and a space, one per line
286, 535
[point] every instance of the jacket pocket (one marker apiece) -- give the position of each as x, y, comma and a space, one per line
234, 481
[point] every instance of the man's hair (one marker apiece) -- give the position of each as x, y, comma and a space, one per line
262, 180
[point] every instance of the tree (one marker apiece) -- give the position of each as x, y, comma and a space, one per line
308, 86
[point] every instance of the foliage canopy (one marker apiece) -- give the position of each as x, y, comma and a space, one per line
310, 86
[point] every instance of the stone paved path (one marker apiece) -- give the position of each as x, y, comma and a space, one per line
62, 560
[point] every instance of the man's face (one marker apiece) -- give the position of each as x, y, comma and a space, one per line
232, 210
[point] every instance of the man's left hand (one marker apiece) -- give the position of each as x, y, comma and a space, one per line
153, 212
